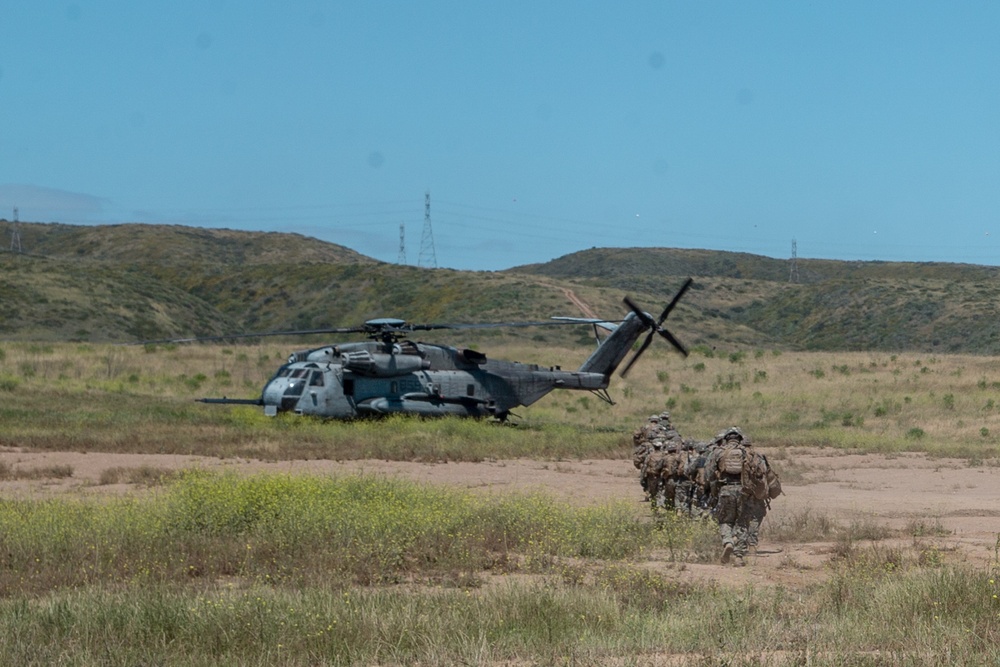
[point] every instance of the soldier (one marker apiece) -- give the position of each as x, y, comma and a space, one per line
725, 465
760, 486
744, 485
656, 484
642, 440
683, 483
695, 473
669, 432
671, 471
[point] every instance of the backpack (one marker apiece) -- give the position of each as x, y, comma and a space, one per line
755, 477
773, 483
731, 461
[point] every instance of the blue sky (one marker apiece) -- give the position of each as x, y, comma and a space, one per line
863, 130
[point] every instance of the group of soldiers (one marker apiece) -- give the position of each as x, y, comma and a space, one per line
724, 479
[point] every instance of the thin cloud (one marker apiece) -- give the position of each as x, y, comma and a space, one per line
36, 203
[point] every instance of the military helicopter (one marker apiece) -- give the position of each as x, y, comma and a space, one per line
389, 374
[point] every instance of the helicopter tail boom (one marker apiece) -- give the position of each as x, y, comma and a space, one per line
609, 354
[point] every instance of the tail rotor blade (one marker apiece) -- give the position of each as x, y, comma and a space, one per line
640, 313
638, 353
677, 297
656, 326
673, 341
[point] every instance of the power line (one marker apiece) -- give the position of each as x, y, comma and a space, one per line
15, 234
793, 274
402, 244
427, 255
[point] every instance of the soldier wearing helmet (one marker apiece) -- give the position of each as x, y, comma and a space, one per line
725, 466
656, 455
684, 484
695, 471
642, 440
739, 504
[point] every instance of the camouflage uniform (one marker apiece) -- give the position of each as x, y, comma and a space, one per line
672, 471
642, 447
683, 482
656, 484
738, 519
641, 439
753, 509
695, 473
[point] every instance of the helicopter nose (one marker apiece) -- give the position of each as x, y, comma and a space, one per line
272, 394
282, 394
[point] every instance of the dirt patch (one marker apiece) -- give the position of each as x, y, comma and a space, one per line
958, 504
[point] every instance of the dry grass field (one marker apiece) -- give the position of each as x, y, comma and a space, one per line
889, 462
907, 502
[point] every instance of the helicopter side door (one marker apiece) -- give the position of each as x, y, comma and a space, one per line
324, 395
318, 391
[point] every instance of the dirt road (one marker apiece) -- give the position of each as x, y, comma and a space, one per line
956, 506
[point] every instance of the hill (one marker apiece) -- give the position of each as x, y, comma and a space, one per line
175, 244
135, 282
124, 283
835, 305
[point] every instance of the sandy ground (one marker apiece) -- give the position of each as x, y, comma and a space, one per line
961, 503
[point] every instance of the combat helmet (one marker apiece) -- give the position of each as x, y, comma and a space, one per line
730, 432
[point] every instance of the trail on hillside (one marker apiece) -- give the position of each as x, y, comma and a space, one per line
579, 303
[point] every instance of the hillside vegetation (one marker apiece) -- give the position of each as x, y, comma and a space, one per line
834, 305
124, 283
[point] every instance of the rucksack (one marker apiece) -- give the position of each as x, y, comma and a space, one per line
755, 476
731, 461
773, 483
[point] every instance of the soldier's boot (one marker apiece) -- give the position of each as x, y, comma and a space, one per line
739, 562
727, 552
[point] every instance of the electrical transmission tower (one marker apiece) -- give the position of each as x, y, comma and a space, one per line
427, 255
402, 244
793, 274
15, 234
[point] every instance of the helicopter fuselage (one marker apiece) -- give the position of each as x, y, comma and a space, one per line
369, 379
389, 374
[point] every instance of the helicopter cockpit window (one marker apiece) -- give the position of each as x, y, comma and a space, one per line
300, 373
317, 379
284, 372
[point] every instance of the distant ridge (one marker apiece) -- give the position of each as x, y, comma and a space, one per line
173, 244
620, 263
836, 305
136, 281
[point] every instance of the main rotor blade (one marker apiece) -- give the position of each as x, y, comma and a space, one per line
366, 328
493, 325
259, 334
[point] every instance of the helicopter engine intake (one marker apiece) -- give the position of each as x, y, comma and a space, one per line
319, 355
380, 364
